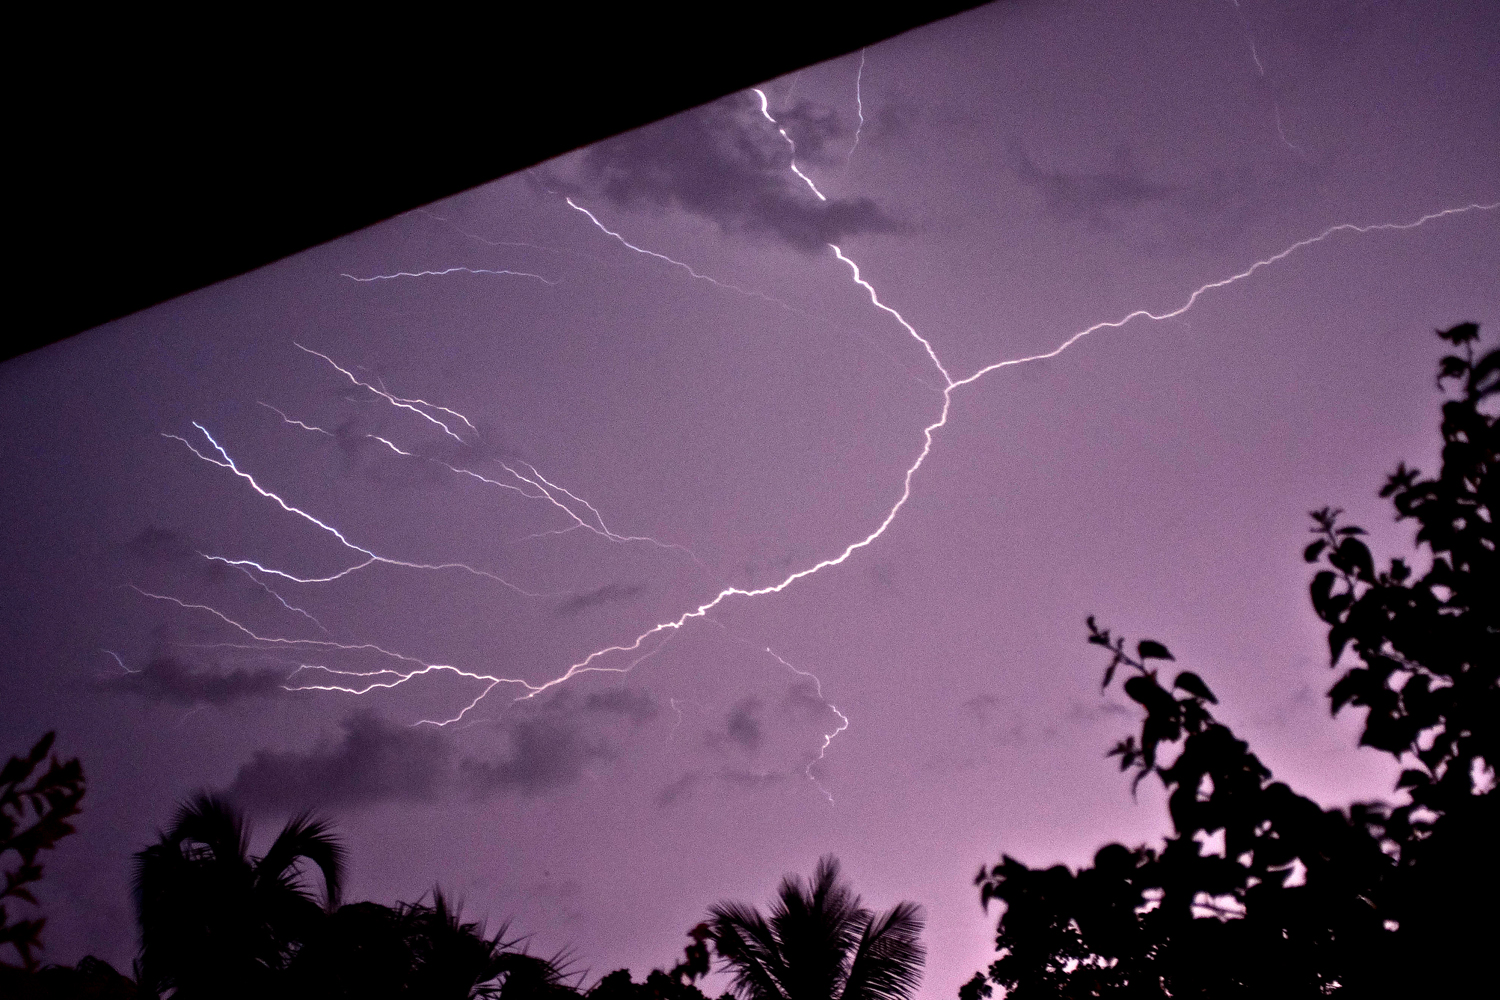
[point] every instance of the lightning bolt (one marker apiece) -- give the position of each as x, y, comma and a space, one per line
482, 239
748, 292
677, 723
827, 737
544, 489
363, 681
765, 109
447, 271
296, 423
359, 647
1201, 290
1259, 67
405, 404
372, 558
714, 281
1260, 70
859, 107
283, 601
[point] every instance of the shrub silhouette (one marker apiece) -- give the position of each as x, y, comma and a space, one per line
371, 952
34, 814
681, 983
1259, 891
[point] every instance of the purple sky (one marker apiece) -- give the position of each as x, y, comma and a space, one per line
1003, 180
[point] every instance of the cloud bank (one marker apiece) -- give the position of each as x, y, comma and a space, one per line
376, 760
173, 681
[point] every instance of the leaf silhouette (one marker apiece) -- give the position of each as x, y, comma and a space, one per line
1150, 649
1193, 685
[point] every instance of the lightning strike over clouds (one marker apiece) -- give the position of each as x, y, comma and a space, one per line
585, 515
450, 270
357, 682
672, 625
358, 647
592, 662
765, 109
666, 466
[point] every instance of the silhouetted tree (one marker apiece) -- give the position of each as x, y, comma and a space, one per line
1259, 891
218, 922
819, 944
1426, 668
91, 979
34, 814
372, 952
678, 984
360, 951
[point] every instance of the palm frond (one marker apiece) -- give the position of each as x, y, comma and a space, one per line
310, 838
750, 949
888, 960
216, 824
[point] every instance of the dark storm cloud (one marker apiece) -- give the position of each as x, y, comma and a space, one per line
545, 754
982, 705
367, 457
726, 163
163, 547
1220, 201
740, 778
1229, 199
1088, 714
632, 703
1292, 708
607, 594
742, 729
678, 790
1092, 194
174, 681
376, 760
803, 698
159, 545
883, 576
752, 780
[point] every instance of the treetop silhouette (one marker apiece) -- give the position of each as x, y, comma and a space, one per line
1259, 891
819, 943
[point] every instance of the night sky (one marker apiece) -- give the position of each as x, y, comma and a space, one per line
630, 400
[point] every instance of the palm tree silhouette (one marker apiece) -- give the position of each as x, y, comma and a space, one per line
819, 943
218, 922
